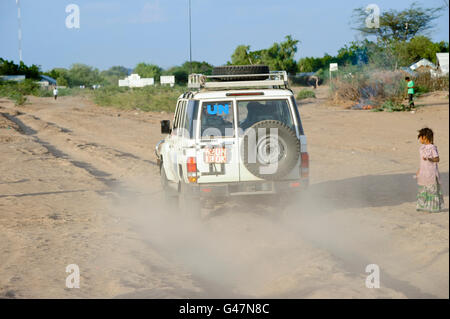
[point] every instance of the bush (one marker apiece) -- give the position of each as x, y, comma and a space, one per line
426, 83
391, 106
18, 98
17, 91
365, 84
304, 94
75, 91
61, 81
149, 98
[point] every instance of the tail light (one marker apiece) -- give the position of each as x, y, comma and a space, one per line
304, 167
192, 169
191, 165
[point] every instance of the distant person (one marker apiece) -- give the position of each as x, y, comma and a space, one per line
411, 91
429, 197
314, 80
55, 93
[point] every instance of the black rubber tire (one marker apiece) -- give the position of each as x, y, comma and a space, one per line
241, 69
291, 149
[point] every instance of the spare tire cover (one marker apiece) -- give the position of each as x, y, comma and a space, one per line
241, 69
270, 149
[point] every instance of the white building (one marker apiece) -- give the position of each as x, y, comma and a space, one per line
167, 79
134, 80
422, 63
442, 62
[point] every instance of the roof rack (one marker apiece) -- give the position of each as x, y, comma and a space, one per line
275, 79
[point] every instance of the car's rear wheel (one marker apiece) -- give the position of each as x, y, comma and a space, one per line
240, 70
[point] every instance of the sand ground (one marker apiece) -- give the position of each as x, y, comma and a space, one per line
79, 185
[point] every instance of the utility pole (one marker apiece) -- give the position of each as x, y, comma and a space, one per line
20, 30
190, 40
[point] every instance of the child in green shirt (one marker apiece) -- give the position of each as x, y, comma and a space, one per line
411, 89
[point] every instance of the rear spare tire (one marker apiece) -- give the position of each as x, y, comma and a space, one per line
241, 69
267, 153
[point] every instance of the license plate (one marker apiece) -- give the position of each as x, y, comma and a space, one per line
215, 155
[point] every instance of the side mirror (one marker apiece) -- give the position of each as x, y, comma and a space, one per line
165, 127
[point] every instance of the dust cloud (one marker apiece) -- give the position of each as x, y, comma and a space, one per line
260, 246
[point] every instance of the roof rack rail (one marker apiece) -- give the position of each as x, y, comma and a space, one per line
275, 79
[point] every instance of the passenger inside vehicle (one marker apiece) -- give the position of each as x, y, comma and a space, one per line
256, 111
216, 124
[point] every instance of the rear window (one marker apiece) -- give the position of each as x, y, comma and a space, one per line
251, 112
217, 119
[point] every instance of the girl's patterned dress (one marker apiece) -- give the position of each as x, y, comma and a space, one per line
429, 197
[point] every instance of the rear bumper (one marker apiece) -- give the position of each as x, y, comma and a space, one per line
248, 188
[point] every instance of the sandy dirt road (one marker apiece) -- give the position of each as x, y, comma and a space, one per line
79, 185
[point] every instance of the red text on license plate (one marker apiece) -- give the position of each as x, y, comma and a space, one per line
215, 155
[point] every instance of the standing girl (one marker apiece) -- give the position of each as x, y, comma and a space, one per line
429, 197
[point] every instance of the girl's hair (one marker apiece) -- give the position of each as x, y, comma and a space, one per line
427, 133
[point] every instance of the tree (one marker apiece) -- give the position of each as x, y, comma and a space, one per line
310, 64
182, 72
148, 70
10, 68
241, 56
398, 25
57, 72
198, 67
114, 74
62, 81
355, 54
81, 74
280, 56
417, 48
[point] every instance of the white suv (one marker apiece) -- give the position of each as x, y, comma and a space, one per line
237, 133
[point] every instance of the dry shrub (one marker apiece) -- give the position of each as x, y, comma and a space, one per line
374, 86
425, 82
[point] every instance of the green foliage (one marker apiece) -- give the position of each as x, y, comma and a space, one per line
392, 106
10, 68
280, 56
58, 73
304, 94
398, 25
75, 91
148, 71
81, 74
181, 73
18, 98
62, 81
149, 98
388, 56
198, 67
241, 56
43, 93
17, 91
420, 47
114, 74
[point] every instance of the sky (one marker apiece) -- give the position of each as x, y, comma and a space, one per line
119, 32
